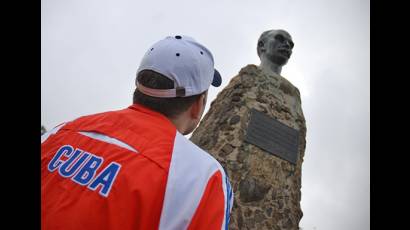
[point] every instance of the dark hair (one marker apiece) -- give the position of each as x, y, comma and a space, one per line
169, 107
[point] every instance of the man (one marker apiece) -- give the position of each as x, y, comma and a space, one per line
274, 49
132, 168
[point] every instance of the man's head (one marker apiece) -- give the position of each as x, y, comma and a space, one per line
275, 46
173, 79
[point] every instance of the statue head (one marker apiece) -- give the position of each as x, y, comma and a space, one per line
274, 49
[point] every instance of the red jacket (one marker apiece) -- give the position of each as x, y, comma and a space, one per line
129, 169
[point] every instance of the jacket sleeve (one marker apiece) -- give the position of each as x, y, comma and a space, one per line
214, 209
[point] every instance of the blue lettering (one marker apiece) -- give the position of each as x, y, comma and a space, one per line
106, 178
87, 172
56, 162
82, 167
70, 167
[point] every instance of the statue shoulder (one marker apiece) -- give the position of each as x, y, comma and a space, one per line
288, 88
250, 69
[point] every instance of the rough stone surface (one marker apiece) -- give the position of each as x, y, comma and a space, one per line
252, 190
267, 188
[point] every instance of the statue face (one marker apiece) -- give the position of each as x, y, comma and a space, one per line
278, 47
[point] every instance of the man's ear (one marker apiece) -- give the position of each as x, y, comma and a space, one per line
261, 46
197, 107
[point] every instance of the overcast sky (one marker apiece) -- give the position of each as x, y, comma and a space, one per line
91, 49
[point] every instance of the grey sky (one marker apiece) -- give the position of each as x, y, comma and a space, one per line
91, 50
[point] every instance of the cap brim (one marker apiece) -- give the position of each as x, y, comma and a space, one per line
217, 81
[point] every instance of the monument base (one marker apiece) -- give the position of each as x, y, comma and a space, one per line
266, 186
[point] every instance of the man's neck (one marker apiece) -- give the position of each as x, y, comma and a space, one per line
182, 123
269, 67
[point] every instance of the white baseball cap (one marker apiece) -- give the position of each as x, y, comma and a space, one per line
187, 63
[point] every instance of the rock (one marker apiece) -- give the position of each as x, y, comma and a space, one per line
252, 190
240, 222
249, 223
259, 216
230, 138
227, 149
248, 212
236, 98
264, 186
234, 165
269, 212
235, 119
286, 88
280, 204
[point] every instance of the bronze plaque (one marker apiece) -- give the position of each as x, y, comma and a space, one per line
272, 136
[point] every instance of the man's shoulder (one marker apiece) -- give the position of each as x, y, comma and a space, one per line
195, 156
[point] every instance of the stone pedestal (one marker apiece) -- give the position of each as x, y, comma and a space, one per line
267, 188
